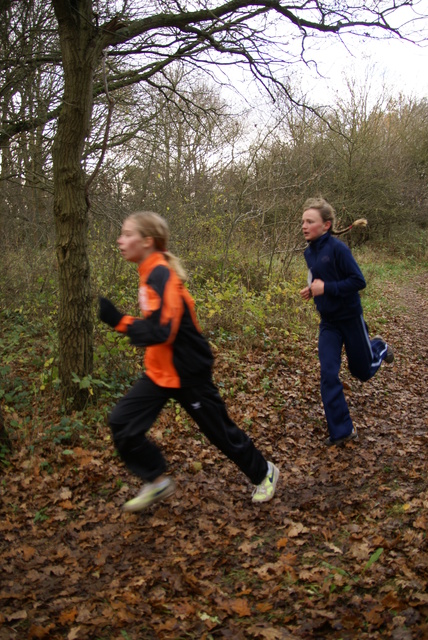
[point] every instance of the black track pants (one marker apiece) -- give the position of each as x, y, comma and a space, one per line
135, 413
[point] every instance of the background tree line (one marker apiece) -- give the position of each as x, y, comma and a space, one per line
227, 188
105, 111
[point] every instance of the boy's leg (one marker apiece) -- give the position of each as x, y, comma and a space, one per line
130, 420
364, 355
336, 409
205, 405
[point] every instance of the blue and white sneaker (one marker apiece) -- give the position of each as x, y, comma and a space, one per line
265, 491
150, 493
389, 357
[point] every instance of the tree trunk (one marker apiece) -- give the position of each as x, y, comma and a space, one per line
75, 325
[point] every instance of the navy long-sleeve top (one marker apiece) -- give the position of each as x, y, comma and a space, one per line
330, 260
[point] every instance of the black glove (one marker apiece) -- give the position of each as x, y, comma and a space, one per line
108, 313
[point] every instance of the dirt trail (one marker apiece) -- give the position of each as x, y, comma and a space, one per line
414, 299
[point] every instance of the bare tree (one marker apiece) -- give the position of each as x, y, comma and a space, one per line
26, 92
138, 45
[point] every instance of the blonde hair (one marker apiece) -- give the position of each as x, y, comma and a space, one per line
151, 225
328, 213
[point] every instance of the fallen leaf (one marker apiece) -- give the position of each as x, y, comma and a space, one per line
241, 607
17, 615
282, 543
66, 617
36, 631
28, 552
74, 634
65, 493
296, 529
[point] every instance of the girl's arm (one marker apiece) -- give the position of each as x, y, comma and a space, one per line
350, 278
162, 306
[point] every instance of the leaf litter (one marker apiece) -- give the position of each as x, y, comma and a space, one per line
341, 551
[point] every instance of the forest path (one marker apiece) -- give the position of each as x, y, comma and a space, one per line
341, 551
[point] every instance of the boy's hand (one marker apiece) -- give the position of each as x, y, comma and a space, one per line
108, 313
306, 293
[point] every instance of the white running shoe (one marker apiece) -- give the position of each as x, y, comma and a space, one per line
150, 493
265, 491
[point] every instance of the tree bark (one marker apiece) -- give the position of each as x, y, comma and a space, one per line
75, 324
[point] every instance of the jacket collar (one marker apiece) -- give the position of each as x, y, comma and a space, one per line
316, 245
154, 260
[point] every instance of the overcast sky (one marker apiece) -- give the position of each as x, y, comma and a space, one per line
402, 65
384, 67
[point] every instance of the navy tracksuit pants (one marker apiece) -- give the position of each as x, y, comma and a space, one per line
364, 359
135, 413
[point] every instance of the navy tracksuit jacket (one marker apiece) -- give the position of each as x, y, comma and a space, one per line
342, 323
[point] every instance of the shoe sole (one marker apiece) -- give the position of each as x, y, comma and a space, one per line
133, 508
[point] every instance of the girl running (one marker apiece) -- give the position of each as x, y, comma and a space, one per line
178, 364
334, 282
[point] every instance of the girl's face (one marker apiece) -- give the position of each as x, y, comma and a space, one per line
132, 246
313, 226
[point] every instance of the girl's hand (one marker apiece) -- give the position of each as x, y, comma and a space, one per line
317, 288
108, 313
306, 293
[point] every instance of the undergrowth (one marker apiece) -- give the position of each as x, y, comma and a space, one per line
234, 318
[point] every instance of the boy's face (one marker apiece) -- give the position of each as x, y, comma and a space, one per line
313, 226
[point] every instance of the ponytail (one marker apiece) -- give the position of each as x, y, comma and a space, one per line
361, 222
176, 265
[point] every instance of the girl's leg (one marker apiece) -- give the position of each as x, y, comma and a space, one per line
336, 410
364, 355
130, 420
205, 406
